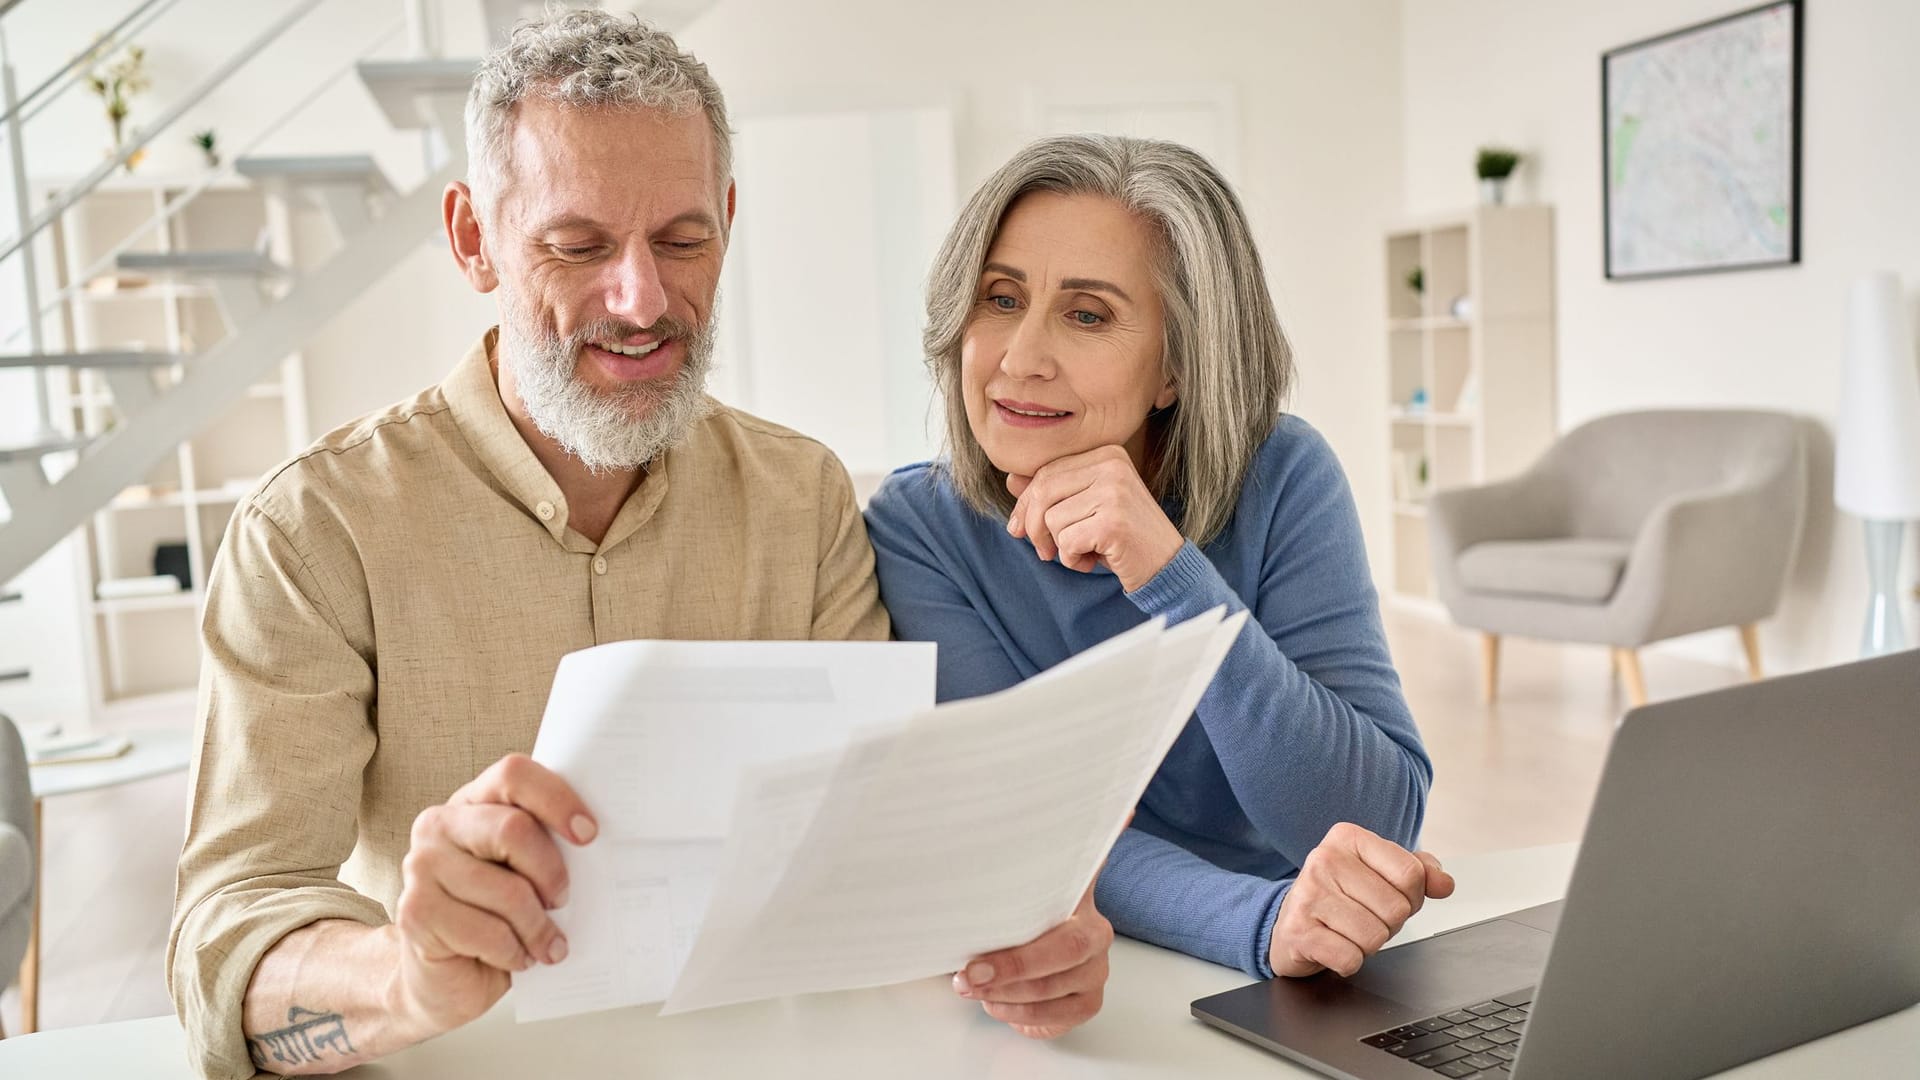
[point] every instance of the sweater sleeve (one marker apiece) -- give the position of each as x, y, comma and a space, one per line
926, 603
1155, 890
1306, 712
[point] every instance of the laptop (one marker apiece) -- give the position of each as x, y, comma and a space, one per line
1749, 880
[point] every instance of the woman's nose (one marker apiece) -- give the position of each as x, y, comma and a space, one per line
1028, 354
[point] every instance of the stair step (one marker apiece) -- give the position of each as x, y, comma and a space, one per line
200, 263
402, 88
315, 170
121, 358
35, 450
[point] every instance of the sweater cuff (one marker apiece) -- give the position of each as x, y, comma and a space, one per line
1186, 586
1263, 939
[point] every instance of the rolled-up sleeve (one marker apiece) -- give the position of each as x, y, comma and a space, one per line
285, 730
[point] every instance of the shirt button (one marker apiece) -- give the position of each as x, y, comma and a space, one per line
545, 510
599, 564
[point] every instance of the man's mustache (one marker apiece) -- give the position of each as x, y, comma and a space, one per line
666, 327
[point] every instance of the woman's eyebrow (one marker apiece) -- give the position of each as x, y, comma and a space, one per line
1003, 268
1083, 284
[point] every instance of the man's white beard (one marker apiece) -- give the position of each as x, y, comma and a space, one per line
609, 431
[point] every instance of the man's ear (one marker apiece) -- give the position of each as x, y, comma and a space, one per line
462, 220
732, 190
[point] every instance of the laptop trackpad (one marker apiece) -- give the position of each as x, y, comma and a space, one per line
1454, 968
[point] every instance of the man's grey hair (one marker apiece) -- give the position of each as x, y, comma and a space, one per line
1224, 351
584, 59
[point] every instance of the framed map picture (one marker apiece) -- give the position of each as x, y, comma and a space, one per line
1702, 146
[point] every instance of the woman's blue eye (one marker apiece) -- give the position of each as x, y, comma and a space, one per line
1004, 303
1087, 318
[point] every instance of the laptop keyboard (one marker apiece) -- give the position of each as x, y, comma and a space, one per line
1478, 1040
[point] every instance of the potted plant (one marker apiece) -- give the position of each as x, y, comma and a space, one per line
1494, 165
205, 141
117, 80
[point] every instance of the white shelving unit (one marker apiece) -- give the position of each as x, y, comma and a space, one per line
146, 645
1470, 365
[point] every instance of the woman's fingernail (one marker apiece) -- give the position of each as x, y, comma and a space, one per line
583, 828
979, 973
560, 898
557, 951
960, 984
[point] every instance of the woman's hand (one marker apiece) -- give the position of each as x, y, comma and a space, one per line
1050, 985
1355, 892
1091, 510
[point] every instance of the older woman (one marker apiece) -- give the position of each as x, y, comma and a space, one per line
1113, 370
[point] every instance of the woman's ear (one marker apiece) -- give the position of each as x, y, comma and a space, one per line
1167, 396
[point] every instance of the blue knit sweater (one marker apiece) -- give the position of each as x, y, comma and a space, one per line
1303, 727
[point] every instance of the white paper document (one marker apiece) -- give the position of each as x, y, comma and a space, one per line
783, 822
655, 736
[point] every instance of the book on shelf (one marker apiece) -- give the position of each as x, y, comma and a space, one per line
74, 749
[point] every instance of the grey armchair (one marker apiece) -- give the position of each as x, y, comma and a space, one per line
16, 852
1633, 528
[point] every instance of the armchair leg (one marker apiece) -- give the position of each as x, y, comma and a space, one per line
1628, 661
1750, 640
1489, 667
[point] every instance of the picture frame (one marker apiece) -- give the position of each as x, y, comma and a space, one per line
1701, 144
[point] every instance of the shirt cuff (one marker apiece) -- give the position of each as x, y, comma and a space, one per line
1186, 586
218, 946
1263, 938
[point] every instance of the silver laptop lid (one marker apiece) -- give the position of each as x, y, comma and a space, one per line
1749, 879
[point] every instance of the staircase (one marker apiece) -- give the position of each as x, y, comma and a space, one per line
51, 484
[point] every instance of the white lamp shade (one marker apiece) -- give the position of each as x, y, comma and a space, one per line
1876, 461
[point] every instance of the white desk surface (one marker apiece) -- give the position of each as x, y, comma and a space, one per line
921, 1029
155, 752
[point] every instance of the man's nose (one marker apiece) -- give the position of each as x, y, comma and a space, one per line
635, 292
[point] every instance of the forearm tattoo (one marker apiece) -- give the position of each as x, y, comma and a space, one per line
307, 1037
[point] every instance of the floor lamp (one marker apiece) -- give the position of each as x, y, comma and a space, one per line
1876, 462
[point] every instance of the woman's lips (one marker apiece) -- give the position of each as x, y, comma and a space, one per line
1022, 414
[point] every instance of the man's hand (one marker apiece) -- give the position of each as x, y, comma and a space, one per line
1355, 892
477, 883
1093, 509
1050, 985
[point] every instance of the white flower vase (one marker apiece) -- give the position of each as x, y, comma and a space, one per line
1493, 191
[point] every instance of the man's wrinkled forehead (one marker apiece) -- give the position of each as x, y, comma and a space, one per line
619, 160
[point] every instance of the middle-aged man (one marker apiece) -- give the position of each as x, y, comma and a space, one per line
369, 854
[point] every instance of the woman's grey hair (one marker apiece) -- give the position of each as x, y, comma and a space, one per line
1224, 351
584, 59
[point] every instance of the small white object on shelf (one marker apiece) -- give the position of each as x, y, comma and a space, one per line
123, 588
74, 749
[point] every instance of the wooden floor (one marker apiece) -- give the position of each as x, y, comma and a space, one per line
1520, 773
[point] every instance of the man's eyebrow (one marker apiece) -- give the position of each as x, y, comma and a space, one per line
1084, 284
1003, 268
568, 221
703, 218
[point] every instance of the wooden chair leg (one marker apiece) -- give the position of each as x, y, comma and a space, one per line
30, 964
1750, 640
1628, 662
1489, 667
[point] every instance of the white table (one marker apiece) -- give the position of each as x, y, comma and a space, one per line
154, 752
920, 1029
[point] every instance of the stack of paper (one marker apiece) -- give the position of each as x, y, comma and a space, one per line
901, 852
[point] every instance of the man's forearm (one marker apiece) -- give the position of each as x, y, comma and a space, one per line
326, 998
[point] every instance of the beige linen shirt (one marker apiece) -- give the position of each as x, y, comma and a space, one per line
383, 623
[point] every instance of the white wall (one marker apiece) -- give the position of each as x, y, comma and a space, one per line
1316, 93
1527, 74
